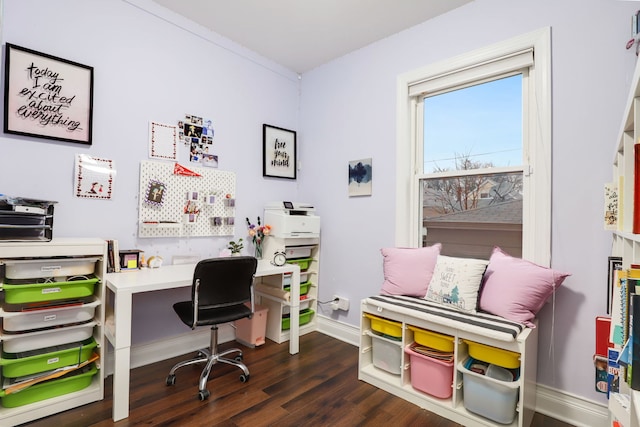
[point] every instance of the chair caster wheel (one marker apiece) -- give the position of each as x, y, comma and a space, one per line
238, 358
203, 395
171, 379
244, 378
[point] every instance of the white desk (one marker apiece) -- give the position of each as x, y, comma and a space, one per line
125, 284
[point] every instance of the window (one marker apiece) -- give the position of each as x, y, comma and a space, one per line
467, 133
488, 188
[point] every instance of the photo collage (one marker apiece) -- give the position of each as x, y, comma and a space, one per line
198, 135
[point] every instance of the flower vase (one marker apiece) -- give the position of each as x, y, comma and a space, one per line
258, 252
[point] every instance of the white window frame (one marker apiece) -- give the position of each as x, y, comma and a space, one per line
536, 215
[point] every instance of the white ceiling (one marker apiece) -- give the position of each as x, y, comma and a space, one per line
303, 34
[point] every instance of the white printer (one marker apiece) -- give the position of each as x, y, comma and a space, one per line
292, 219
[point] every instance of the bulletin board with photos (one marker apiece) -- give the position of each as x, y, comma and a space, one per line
176, 201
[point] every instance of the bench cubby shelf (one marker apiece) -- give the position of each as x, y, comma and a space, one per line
452, 408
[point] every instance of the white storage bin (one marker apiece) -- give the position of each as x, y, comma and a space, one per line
46, 318
489, 397
46, 338
303, 306
304, 276
387, 354
57, 267
298, 251
286, 279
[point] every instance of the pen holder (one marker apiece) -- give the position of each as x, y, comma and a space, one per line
190, 218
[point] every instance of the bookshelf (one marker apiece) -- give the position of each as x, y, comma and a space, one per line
625, 406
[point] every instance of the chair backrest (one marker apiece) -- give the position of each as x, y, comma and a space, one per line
221, 282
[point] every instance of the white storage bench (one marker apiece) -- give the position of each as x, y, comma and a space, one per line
469, 333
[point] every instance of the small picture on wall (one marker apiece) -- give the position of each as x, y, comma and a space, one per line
360, 177
210, 160
94, 177
155, 193
192, 130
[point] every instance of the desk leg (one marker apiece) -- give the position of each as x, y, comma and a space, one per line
121, 383
294, 321
123, 302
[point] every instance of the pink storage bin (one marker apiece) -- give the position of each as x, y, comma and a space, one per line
429, 375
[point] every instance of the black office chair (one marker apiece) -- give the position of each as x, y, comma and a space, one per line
220, 289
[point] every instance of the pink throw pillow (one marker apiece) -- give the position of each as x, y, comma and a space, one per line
408, 271
517, 289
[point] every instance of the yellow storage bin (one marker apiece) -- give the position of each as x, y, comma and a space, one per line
497, 356
384, 326
432, 339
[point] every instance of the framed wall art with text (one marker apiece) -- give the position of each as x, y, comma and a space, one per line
47, 97
278, 152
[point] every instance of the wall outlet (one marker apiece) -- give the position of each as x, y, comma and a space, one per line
340, 303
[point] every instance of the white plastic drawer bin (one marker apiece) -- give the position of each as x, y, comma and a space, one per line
57, 267
387, 354
50, 317
303, 306
46, 338
489, 397
298, 251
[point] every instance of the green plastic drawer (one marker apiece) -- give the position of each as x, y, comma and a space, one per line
305, 317
32, 362
72, 382
302, 262
19, 293
304, 288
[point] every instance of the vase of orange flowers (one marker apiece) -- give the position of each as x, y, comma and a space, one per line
258, 233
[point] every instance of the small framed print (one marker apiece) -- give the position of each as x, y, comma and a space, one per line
155, 193
47, 97
278, 152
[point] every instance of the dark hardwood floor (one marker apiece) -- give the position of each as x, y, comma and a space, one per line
317, 387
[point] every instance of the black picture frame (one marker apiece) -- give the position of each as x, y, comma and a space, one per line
47, 97
615, 263
278, 152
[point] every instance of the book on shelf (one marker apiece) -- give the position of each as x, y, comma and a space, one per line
619, 309
613, 371
113, 259
621, 202
636, 189
611, 206
603, 327
633, 375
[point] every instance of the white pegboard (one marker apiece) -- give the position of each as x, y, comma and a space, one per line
161, 214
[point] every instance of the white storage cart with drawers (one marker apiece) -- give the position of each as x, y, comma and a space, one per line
52, 311
295, 230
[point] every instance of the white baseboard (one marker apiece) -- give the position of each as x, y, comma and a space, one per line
177, 345
549, 401
339, 330
571, 409
155, 351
